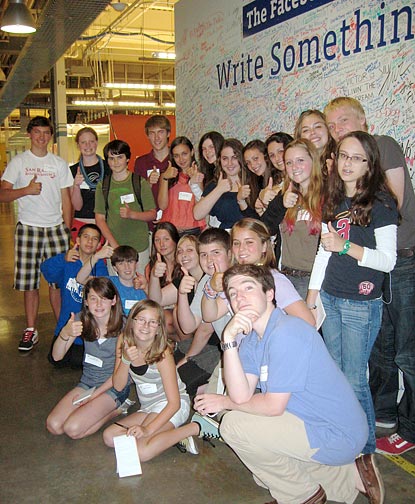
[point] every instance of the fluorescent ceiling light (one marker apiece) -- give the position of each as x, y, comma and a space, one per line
110, 103
18, 19
164, 55
145, 87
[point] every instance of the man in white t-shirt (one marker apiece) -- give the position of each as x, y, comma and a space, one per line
39, 181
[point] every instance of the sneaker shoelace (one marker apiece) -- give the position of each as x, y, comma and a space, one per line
394, 438
28, 335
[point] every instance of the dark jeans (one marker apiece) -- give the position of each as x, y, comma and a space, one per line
395, 349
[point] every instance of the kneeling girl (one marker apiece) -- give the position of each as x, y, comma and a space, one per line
99, 324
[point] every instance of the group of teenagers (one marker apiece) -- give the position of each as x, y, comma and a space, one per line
246, 245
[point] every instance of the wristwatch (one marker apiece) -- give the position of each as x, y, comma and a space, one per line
228, 346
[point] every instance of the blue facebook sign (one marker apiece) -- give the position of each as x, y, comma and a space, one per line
262, 14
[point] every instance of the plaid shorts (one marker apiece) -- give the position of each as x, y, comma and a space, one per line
32, 245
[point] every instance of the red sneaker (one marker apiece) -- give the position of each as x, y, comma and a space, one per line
393, 445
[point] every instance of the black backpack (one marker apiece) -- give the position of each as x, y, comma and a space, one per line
136, 181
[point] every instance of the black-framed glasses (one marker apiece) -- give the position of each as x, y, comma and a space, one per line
355, 159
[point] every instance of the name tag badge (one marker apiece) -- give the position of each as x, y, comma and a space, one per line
149, 172
127, 198
186, 196
129, 303
91, 359
84, 185
148, 388
264, 374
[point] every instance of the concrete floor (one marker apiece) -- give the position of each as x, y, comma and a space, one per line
40, 468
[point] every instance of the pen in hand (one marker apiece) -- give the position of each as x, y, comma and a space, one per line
121, 425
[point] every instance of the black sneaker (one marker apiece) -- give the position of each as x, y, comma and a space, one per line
29, 339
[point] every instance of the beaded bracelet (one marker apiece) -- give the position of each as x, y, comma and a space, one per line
346, 248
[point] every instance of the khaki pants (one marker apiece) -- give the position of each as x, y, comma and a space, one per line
277, 452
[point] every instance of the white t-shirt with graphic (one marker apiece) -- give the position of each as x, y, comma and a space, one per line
45, 209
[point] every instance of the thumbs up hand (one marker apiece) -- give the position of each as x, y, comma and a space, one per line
159, 268
332, 241
187, 283
125, 211
73, 254
73, 328
140, 282
79, 178
171, 172
34, 188
290, 197
105, 252
131, 352
154, 176
223, 185
268, 193
243, 192
216, 282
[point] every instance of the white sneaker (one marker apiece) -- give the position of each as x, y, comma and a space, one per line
123, 409
189, 445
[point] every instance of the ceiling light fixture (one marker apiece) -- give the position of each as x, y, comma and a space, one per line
119, 6
145, 87
17, 19
164, 55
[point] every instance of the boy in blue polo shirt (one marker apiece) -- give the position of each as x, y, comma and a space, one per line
301, 434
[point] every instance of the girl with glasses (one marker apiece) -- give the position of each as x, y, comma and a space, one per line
358, 246
146, 357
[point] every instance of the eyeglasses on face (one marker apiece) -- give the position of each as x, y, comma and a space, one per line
141, 321
355, 159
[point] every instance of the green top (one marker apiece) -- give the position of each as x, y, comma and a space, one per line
126, 231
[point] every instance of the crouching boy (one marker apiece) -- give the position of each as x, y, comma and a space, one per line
301, 434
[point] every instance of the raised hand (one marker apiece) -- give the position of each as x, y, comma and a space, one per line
79, 178
223, 185
154, 176
267, 194
159, 268
332, 241
171, 172
140, 281
105, 252
34, 188
187, 283
216, 282
131, 352
73, 328
290, 197
125, 211
73, 254
243, 192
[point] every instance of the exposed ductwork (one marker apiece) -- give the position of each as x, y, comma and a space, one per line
60, 24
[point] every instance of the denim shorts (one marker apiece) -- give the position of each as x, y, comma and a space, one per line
118, 396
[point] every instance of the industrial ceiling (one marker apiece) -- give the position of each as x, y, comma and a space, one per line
104, 43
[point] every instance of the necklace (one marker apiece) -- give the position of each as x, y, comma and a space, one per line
92, 184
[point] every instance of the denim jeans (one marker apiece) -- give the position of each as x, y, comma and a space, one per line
395, 349
349, 331
300, 283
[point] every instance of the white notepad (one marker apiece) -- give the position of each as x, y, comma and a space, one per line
126, 453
